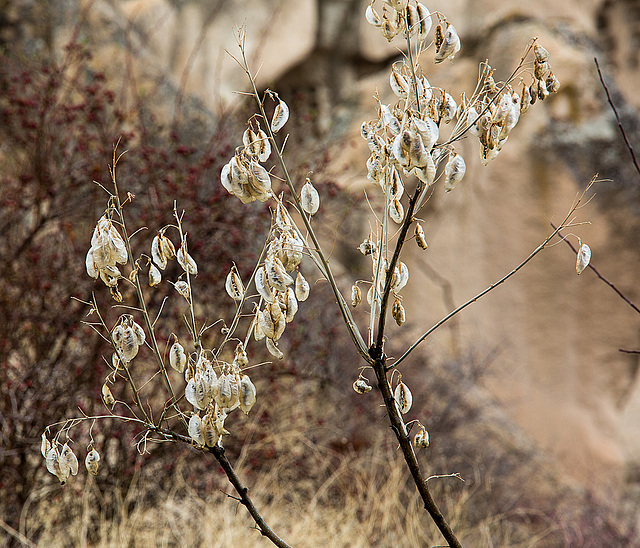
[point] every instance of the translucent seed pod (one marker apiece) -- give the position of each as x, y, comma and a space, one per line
411, 16
399, 84
107, 396
280, 116
449, 46
398, 312
234, 285
178, 357
424, 21
139, 333
428, 131
361, 386
186, 261
157, 254
92, 462
403, 397
309, 198
525, 99
552, 83
368, 247
90, 264
583, 257
53, 466
118, 334
420, 237
454, 171
129, 346
302, 287
45, 446
277, 274
448, 108
540, 70
542, 55
262, 286
265, 323
291, 304
69, 458
372, 16
273, 349
209, 432
167, 247
115, 361
400, 276
182, 287
356, 295
228, 395
396, 210
190, 392
247, 394
195, 429
421, 439
154, 276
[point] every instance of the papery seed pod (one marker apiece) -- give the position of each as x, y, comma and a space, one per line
139, 333
209, 432
262, 286
247, 394
45, 446
448, 108
259, 182
389, 120
190, 392
542, 55
228, 395
210, 380
157, 254
234, 285
450, 44
154, 276
186, 261
309, 198
92, 462
400, 276
258, 333
178, 357
129, 346
107, 396
265, 323
426, 174
583, 257
241, 356
367, 247
454, 171
552, 83
411, 16
106, 275
360, 386
69, 458
543, 92
356, 295
370, 295
503, 106
202, 390
182, 287
424, 21
420, 238
396, 210
398, 312
273, 349
276, 274
525, 99
428, 131
540, 70
399, 84
403, 397
390, 27
115, 361
167, 247
372, 16
533, 91
421, 439
53, 466
90, 264
291, 304
280, 116
302, 287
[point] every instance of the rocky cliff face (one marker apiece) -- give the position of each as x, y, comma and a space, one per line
558, 370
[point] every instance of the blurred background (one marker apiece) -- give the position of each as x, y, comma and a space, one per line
532, 393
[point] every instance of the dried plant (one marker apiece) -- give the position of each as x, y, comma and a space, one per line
193, 400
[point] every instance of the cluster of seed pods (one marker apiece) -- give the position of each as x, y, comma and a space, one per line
62, 461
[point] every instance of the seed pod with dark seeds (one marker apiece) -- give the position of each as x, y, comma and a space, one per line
421, 439
420, 237
403, 397
107, 396
182, 287
209, 433
186, 261
92, 462
177, 357
195, 429
129, 346
361, 386
356, 295
157, 253
454, 171
309, 198
280, 116
234, 285
69, 458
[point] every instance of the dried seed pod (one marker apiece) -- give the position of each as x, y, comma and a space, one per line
367, 247
583, 257
186, 261
398, 312
69, 458
53, 466
273, 349
154, 276
372, 16
540, 70
543, 92
403, 397
234, 285
420, 238
129, 346
309, 198
107, 396
139, 333
542, 55
92, 462
182, 287
552, 83
360, 386
424, 21
302, 287
396, 210
448, 108
399, 84
291, 304
356, 295
262, 286
190, 392
157, 253
525, 99
454, 171
195, 429
280, 116
449, 43
90, 264
277, 274
389, 120
247, 394
45, 446
209, 432
228, 395
400, 276
421, 439
428, 131
178, 357
265, 323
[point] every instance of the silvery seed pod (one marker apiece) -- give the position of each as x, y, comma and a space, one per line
543, 92
157, 254
398, 312
370, 295
449, 46
396, 210
203, 395
400, 276
45, 446
273, 349
129, 346
542, 55
190, 392
258, 333
107, 396
448, 108
302, 287
186, 261
367, 247
525, 99
372, 16
276, 274
291, 304
540, 70
309, 198
54, 466
139, 333
421, 439
389, 120
361, 386
259, 182
428, 131
247, 394
219, 416
454, 171
398, 5
424, 21
390, 27
279, 321
107, 278
69, 458
583, 257
503, 107
167, 247
426, 174
210, 380
420, 238
399, 84
228, 395
182, 287
280, 116
195, 429
411, 16
154, 276
265, 323
209, 433
403, 398
92, 462
234, 285
356, 295
177, 357
262, 286
90, 264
